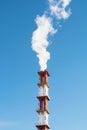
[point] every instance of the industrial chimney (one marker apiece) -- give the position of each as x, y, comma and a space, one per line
43, 99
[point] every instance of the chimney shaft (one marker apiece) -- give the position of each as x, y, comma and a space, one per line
43, 99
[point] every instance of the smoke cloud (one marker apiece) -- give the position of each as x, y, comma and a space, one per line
58, 9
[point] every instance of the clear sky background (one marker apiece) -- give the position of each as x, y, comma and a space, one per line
19, 66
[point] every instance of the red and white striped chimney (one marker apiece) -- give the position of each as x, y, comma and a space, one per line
43, 98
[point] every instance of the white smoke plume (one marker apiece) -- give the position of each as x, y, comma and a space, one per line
40, 39
58, 8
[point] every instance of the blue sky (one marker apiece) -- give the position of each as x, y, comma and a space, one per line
19, 66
